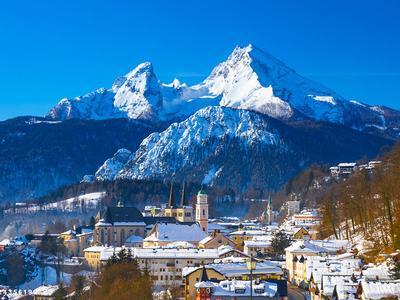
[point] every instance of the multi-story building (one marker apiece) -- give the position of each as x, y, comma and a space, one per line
165, 264
310, 216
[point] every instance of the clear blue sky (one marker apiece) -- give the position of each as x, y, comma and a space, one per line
54, 49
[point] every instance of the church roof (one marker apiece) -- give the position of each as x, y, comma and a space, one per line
204, 276
122, 215
153, 220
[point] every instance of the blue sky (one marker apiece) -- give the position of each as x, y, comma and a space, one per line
55, 49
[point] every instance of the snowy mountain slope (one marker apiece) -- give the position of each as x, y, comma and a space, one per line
249, 79
242, 149
113, 165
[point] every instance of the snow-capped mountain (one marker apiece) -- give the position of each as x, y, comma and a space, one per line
240, 149
113, 165
249, 79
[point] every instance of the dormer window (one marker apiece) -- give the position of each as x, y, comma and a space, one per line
258, 290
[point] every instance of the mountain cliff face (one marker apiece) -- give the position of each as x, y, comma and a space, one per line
249, 79
242, 149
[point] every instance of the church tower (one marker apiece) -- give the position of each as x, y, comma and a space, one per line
170, 210
202, 210
269, 211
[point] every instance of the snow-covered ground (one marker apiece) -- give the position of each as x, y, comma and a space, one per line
87, 201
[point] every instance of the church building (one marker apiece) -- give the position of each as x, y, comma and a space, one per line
182, 212
117, 223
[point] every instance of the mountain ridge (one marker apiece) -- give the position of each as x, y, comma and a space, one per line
249, 79
227, 147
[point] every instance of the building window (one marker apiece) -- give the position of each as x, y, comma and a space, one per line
102, 236
122, 236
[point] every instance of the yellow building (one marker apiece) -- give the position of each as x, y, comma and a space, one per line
193, 277
301, 233
76, 240
92, 256
238, 237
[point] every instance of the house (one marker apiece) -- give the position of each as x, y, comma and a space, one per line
227, 253
163, 234
309, 216
347, 168
45, 292
76, 240
92, 256
239, 236
215, 240
228, 271
258, 247
301, 233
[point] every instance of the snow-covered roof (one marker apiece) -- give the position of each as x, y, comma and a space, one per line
180, 244
379, 290
5, 242
377, 273
45, 290
95, 249
319, 266
69, 232
258, 244
347, 165
305, 247
134, 239
206, 239
333, 245
158, 253
171, 232
248, 232
237, 289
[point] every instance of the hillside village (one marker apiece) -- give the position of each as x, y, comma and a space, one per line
188, 255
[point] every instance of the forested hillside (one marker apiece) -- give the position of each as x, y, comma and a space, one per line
367, 204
